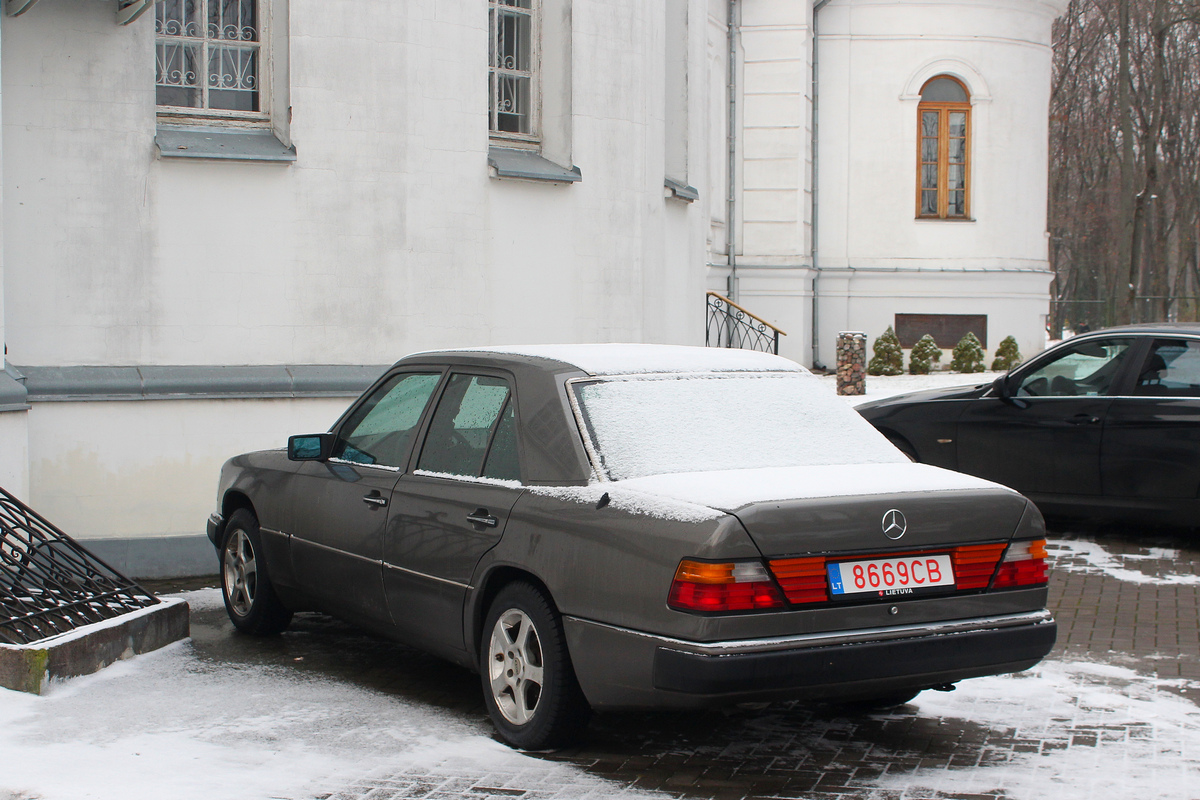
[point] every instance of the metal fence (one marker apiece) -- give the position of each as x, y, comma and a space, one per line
730, 325
49, 584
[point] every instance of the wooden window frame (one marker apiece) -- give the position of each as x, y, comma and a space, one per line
496, 72
203, 113
943, 110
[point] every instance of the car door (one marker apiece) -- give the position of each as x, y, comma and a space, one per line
1044, 439
1152, 436
452, 508
341, 505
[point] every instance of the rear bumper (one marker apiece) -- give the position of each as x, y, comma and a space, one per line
841, 665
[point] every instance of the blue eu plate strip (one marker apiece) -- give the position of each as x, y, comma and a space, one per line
835, 579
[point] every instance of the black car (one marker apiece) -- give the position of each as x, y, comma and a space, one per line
1104, 426
590, 527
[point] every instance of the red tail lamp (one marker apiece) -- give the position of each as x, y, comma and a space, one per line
731, 586
1024, 565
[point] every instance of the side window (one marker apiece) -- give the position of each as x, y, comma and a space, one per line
1171, 370
210, 58
380, 429
944, 142
1087, 369
512, 69
472, 426
501, 460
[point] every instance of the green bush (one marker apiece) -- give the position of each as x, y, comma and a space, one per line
968, 355
888, 358
923, 354
1007, 355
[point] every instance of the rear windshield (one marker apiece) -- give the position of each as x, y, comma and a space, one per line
667, 424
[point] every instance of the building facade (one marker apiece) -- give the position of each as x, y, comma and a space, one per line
222, 218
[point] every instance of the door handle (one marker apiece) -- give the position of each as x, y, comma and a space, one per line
1083, 419
482, 517
375, 499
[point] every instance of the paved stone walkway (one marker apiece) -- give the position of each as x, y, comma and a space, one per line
1128, 602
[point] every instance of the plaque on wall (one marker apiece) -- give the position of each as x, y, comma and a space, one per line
946, 329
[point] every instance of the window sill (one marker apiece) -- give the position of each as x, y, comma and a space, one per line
944, 219
680, 191
526, 165
13, 396
221, 144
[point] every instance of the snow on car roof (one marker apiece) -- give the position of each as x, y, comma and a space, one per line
624, 359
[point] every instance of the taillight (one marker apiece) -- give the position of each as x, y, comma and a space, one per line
1024, 564
803, 579
732, 586
974, 564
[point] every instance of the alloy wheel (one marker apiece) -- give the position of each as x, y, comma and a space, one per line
515, 666
241, 572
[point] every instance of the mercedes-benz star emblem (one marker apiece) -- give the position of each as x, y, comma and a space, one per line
894, 524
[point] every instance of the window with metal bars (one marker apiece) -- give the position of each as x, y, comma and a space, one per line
513, 56
944, 150
209, 58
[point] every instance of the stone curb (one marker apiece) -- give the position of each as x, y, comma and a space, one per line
32, 667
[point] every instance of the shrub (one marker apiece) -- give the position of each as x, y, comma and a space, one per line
1007, 355
968, 355
923, 354
888, 358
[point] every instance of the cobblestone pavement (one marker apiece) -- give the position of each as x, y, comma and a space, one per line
1128, 649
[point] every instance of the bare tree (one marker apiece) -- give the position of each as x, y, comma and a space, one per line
1124, 183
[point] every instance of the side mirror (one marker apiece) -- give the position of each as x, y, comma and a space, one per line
310, 447
1003, 388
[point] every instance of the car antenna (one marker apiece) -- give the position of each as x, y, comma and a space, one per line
604, 500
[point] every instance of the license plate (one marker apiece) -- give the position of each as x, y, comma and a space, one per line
886, 576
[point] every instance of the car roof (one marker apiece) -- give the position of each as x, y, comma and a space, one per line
1151, 328
622, 359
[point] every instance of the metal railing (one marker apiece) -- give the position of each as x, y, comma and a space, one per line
730, 325
49, 584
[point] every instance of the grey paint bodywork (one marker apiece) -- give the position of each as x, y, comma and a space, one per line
419, 573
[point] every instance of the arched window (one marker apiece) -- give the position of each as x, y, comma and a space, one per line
943, 150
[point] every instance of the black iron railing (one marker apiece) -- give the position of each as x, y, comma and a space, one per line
730, 325
49, 584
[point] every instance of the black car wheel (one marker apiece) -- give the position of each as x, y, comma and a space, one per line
528, 682
249, 598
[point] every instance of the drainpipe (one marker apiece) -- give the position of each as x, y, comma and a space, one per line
816, 354
731, 147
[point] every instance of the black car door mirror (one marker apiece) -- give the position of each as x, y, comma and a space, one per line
1003, 387
310, 447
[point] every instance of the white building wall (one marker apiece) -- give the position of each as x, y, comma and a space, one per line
874, 57
103, 470
385, 236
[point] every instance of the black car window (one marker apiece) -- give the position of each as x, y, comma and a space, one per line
380, 429
462, 425
1171, 370
1085, 369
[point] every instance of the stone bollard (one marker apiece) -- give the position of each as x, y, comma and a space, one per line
851, 363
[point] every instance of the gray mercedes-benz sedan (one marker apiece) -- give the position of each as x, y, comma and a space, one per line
606, 526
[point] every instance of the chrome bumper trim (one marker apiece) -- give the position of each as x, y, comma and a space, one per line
831, 638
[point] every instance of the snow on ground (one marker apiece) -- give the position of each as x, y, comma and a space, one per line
1088, 557
173, 725
1098, 731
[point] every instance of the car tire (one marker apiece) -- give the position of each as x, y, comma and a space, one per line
250, 599
529, 684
